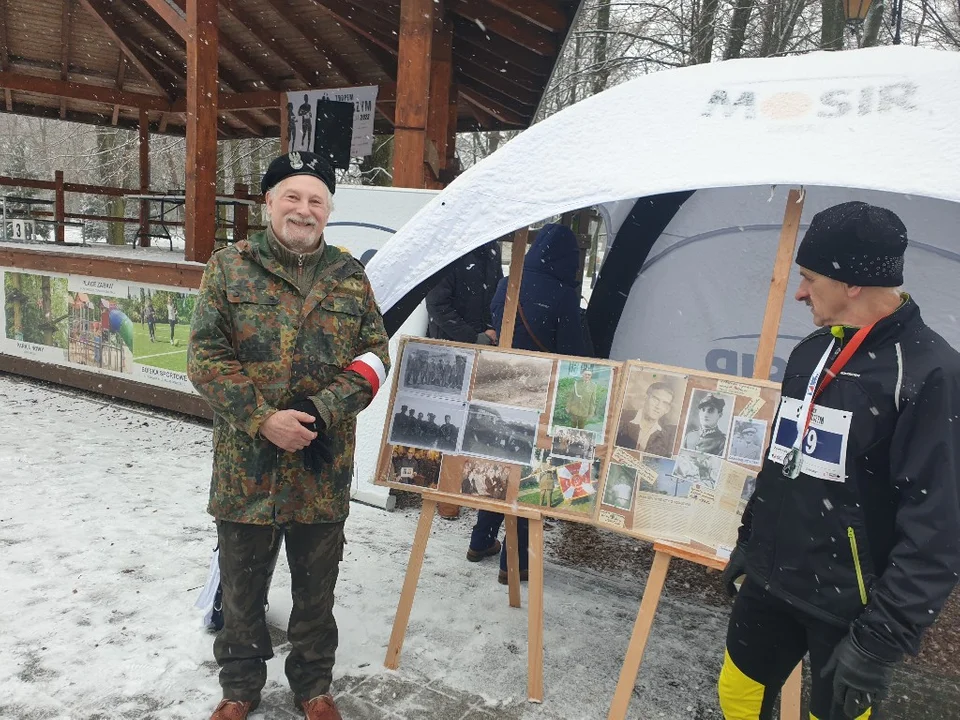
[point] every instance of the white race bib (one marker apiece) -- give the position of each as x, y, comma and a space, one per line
824, 448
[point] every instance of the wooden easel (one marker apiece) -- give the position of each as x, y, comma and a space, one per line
663, 552
535, 519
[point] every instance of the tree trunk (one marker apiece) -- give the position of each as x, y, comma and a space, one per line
701, 50
601, 73
738, 29
871, 26
831, 32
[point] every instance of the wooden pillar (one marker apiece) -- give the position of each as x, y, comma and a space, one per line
202, 91
241, 213
413, 91
438, 113
59, 208
144, 147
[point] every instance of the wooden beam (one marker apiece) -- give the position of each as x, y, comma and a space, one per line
65, 49
413, 88
438, 113
333, 59
82, 91
244, 58
300, 69
5, 52
345, 14
202, 59
492, 107
499, 21
500, 82
170, 16
121, 75
147, 67
466, 31
143, 145
542, 13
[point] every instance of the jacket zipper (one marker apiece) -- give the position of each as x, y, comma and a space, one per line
299, 267
856, 565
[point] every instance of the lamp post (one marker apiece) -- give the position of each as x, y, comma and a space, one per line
855, 12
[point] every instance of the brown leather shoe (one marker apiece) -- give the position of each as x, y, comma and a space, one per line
478, 555
321, 707
234, 709
503, 579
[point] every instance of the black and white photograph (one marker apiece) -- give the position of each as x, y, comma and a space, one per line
574, 444
693, 468
518, 380
708, 422
746, 441
650, 416
426, 422
620, 486
485, 477
500, 432
436, 370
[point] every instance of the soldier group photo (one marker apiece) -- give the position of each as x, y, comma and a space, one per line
434, 369
423, 423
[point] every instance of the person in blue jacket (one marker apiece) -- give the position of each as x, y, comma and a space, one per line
548, 320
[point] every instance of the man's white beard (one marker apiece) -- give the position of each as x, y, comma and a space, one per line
304, 239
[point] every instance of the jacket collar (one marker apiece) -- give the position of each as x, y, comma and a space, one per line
902, 321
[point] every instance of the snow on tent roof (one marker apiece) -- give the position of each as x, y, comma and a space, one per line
877, 118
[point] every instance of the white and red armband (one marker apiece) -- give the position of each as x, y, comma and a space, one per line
369, 367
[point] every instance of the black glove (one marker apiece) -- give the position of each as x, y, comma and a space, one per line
736, 567
860, 677
317, 453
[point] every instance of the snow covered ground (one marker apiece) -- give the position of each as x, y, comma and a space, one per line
105, 544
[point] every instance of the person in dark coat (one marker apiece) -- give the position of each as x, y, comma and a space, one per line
548, 320
459, 305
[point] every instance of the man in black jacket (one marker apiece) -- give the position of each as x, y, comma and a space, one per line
851, 541
459, 305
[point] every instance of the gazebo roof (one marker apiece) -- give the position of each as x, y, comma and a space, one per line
102, 61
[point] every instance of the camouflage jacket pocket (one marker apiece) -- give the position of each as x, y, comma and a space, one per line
257, 316
340, 317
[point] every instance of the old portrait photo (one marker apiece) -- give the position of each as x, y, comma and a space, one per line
620, 485
485, 477
581, 397
746, 441
651, 412
518, 380
708, 422
426, 422
574, 444
500, 432
436, 369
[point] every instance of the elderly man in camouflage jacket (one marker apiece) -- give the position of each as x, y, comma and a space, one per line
288, 346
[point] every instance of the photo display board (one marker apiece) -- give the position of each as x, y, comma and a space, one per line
654, 452
508, 426
686, 454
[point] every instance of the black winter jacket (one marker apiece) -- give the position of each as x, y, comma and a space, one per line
880, 549
459, 305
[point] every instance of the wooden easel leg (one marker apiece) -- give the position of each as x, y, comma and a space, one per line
405, 605
790, 695
535, 602
513, 561
638, 640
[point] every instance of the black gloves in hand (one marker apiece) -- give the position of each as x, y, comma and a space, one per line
317, 453
860, 677
736, 567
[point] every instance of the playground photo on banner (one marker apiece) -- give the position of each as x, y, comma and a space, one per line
101, 332
161, 327
581, 397
36, 309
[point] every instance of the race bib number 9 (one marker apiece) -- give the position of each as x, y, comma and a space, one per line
823, 448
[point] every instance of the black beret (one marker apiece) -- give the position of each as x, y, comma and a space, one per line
855, 243
298, 163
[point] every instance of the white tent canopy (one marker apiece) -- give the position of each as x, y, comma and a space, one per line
879, 119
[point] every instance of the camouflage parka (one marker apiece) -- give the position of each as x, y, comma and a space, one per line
256, 344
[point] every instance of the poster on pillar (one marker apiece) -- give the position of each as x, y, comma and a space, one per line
302, 107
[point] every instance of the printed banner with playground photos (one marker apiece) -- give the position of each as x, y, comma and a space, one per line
667, 454
102, 325
508, 426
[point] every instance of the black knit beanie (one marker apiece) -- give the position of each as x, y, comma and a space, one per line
855, 243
